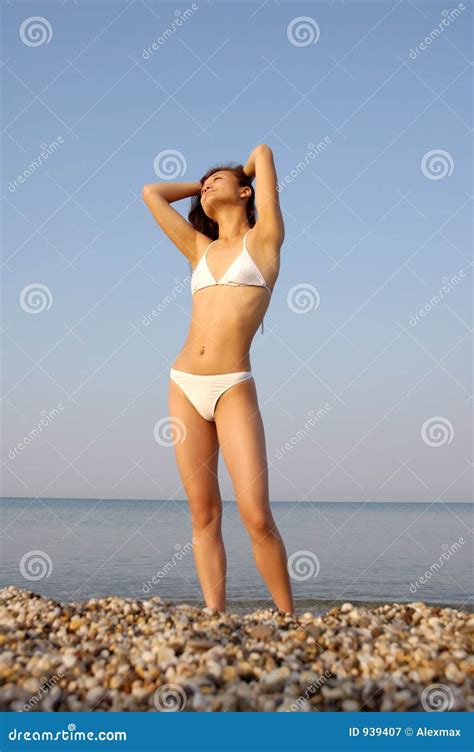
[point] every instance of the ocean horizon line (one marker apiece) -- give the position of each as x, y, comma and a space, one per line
224, 501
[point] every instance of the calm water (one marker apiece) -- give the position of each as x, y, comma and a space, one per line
337, 551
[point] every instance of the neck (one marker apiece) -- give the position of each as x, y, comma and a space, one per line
232, 223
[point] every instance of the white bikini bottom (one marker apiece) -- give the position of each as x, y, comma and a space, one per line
203, 390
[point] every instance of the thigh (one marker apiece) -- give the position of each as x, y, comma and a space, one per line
196, 446
242, 442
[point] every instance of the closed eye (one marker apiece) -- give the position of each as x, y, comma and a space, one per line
219, 177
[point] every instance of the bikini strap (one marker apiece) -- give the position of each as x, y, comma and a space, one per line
205, 252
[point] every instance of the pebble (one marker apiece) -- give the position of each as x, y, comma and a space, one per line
95, 695
261, 632
165, 655
69, 660
274, 681
114, 654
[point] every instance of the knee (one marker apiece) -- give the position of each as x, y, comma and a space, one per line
259, 524
205, 513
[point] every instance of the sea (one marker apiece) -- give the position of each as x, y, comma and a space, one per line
362, 553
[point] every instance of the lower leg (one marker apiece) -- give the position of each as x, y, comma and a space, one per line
271, 560
211, 562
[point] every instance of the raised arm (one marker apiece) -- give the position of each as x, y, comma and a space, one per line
158, 197
260, 165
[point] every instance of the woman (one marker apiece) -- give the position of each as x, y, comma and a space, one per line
235, 263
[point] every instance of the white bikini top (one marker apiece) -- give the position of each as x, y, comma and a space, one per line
242, 271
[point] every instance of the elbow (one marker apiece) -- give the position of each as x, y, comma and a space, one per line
264, 148
150, 188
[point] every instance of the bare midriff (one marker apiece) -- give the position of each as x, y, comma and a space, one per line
224, 319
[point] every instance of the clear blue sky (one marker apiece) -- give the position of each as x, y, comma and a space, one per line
374, 223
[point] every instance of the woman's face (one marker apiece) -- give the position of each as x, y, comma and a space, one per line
219, 188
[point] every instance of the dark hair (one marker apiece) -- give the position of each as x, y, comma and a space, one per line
199, 219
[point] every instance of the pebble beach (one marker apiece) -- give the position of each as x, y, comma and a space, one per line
123, 654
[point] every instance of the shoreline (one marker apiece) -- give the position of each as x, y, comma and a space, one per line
319, 606
151, 655
245, 606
